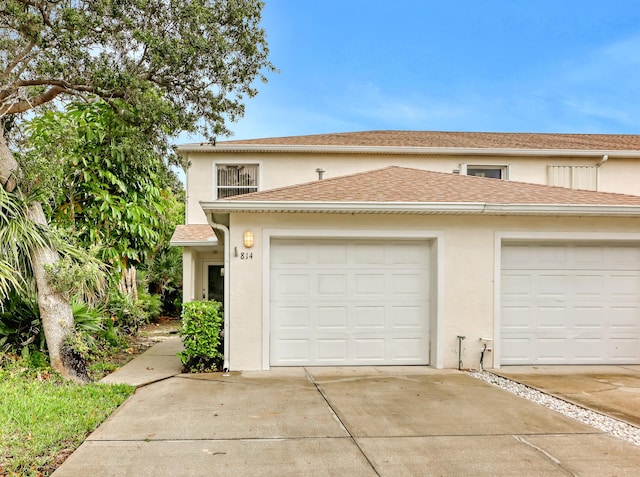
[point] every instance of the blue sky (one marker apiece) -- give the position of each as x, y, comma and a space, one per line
467, 65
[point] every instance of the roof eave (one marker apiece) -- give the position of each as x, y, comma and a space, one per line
477, 208
455, 151
194, 243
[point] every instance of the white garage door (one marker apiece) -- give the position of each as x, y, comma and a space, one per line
349, 302
570, 304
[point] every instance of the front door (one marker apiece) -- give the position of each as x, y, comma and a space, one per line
213, 281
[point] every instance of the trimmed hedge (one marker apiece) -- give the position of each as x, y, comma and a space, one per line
202, 335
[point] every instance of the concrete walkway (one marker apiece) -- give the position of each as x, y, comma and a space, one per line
157, 363
387, 421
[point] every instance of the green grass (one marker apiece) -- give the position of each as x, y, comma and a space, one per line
43, 417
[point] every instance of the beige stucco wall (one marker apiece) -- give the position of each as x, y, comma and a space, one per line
277, 170
465, 301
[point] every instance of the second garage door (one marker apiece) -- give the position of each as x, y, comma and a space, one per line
570, 304
349, 302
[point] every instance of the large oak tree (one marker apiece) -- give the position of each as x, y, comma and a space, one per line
165, 66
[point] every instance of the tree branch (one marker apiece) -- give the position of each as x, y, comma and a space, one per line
28, 104
18, 58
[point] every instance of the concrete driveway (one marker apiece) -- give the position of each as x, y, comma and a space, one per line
389, 421
610, 390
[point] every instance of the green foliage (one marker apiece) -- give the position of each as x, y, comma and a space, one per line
151, 304
21, 329
78, 274
18, 236
34, 399
164, 277
20, 325
107, 186
126, 313
166, 66
201, 334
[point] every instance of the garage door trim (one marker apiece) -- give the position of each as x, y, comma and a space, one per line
436, 358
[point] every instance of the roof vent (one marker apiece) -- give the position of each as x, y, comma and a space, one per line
320, 172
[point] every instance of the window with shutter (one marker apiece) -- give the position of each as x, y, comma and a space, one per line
236, 179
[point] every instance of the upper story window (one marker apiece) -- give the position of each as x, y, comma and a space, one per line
491, 171
236, 179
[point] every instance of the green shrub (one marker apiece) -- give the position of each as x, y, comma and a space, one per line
151, 304
127, 313
20, 326
201, 333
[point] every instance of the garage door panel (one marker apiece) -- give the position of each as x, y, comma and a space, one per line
624, 285
329, 284
293, 350
331, 318
372, 309
331, 350
406, 254
369, 317
291, 254
588, 318
404, 317
515, 350
624, 317
367, 284
294, 317
624, 349
405, 284
369, 349
589, 285
329, 254
585, 297
369, 254
549, 317
550, 348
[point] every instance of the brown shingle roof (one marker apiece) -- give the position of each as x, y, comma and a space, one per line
400, 184
193, 233
439, 139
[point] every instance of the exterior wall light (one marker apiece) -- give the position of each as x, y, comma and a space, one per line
248, 239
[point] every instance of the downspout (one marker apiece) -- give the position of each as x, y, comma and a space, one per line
604, 159
225, 305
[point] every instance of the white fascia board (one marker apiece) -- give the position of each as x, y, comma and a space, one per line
454, 151
421, 208
207, 243
341, 207
563, 209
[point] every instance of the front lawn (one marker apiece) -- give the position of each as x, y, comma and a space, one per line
43, 418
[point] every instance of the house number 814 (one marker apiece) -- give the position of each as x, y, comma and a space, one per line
246, 255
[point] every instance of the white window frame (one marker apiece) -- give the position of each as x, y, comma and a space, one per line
217, 186
503, 168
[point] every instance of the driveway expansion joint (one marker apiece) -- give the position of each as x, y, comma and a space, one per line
335, 414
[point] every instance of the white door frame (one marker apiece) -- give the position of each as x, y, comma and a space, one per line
436, 239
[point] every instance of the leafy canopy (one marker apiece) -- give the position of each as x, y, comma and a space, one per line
165, 65
106, 187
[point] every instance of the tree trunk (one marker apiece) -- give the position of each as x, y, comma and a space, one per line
55, 310
9, 168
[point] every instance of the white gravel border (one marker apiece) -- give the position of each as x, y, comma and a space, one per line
619, 429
